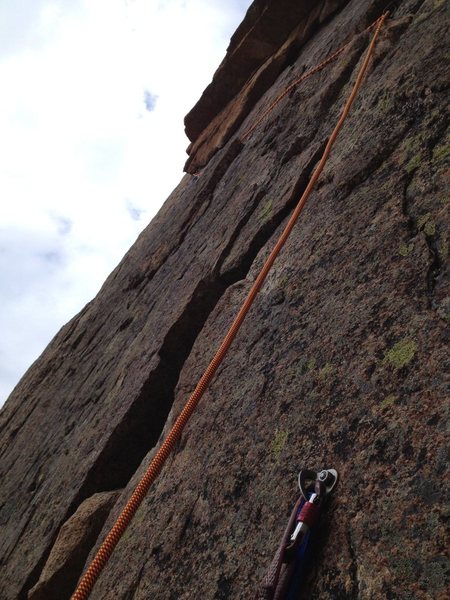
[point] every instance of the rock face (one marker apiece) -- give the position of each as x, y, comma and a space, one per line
265, 44
72, 546
343, 361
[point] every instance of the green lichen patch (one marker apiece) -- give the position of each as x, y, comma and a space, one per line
325, 371
279, 442
422, 220
413, 163
443, 249
388, 401
422, 17
405, 249
426, 224
311, 364
126, 536
400, 354
429, 228
385, 102
266, 211
413, 151
442, 151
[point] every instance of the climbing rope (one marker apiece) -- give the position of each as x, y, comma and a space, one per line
101, 558
331, 58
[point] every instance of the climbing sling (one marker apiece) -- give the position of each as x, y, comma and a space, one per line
287, 569
88, 580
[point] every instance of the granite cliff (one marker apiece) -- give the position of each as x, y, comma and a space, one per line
343, 360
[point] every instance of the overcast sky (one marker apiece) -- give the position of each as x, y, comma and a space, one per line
93, 95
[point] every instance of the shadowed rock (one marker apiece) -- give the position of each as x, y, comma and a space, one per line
71, 548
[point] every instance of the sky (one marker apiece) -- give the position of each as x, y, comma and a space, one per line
93, 96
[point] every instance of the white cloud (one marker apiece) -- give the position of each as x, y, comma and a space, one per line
149, 100
91, 112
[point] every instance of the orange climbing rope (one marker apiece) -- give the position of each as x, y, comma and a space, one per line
101, 558
294, 84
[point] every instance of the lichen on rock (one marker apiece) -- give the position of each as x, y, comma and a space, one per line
401, 354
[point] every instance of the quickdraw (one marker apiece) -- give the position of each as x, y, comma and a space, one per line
286, 573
